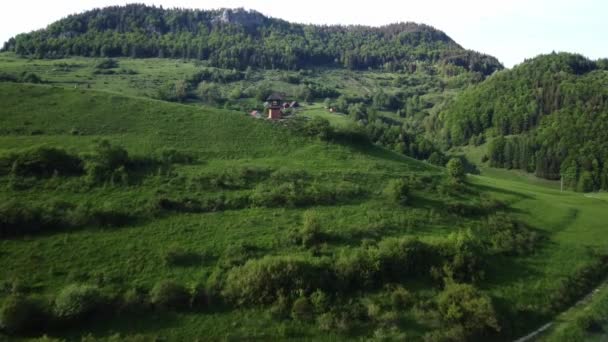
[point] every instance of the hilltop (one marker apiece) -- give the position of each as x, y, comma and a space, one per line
239, 39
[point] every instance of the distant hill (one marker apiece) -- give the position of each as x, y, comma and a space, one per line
553, 111
236, 38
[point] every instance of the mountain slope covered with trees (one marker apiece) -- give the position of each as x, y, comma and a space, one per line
548, 115
239, 38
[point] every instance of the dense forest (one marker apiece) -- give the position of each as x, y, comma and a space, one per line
238, 39
549, 116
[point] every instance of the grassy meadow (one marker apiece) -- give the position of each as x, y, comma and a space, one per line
270, 232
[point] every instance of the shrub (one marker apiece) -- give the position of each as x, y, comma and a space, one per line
77, 301
263, 280
311, 233
404, 257
41, 162
280, 309
455, 170
302, 309
169, 294
319, 301
398, 191
20, 315
134, 300
107, 162
401, 298
30, 77
506, 236
107, 64
236, 255
465, 257
358, 269
318, 127
463, 305
18, 218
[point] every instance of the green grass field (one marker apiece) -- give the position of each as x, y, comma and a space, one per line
351, 208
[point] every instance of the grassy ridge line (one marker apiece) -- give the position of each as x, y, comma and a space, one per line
88, 113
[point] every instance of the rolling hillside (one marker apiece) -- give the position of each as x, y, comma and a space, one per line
207, 201
142, 200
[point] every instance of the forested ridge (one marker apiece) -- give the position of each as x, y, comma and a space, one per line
238, 39
548, 115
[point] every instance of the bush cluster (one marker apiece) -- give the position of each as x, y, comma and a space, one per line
20, 315
466, 313
398, 191
262, 281
77, 301
19, 218
41, 161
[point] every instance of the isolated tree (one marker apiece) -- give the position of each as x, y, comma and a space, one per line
455, 170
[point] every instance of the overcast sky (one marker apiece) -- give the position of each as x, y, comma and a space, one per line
510, 30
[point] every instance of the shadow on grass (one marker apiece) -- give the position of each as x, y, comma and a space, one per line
489, 188
150, 324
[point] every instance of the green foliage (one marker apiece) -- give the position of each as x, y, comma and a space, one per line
21, 315
40, 162
401, 298
107, 163
209, 93
311, 233
263, 280
170, 295
455, 170
462, 305
31, 77
176, 91
318, 127
247, 39
302, 309
19, 218
107, 64
77, 301
548, 116
398, 191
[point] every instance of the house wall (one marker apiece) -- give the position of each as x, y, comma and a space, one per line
274, 113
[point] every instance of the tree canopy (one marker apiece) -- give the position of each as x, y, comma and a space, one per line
239, 38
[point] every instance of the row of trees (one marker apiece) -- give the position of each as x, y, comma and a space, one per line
238, 38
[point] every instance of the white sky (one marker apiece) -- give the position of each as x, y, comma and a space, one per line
510, 30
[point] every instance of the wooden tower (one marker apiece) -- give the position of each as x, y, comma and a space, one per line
274, 106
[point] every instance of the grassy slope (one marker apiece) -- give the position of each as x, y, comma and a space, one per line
575, 223
133, 255
224, 139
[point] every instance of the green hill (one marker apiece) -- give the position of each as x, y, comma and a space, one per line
552, 112
240, 39
191, 222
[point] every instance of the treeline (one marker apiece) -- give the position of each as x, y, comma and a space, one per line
553, 111
239, 38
